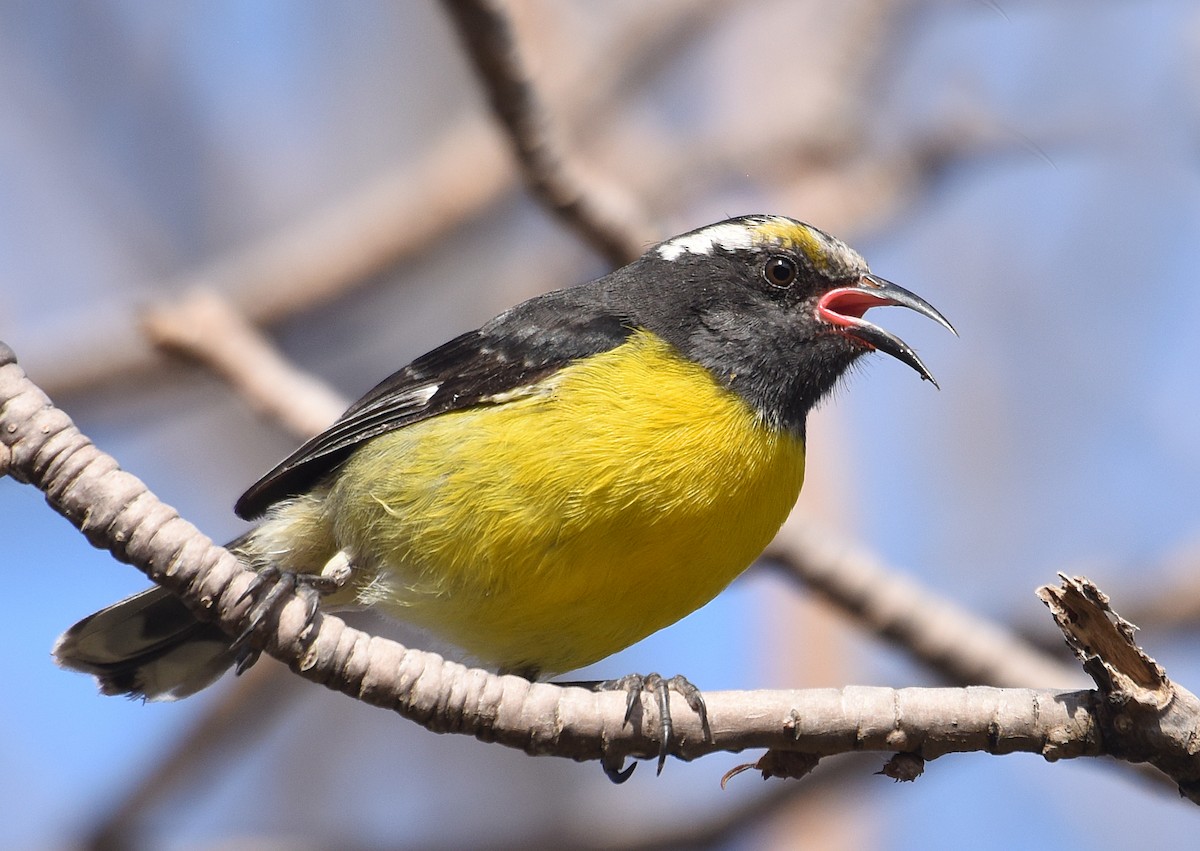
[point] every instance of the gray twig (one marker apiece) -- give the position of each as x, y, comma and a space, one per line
607, 219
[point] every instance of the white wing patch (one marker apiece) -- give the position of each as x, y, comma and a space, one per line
418, 395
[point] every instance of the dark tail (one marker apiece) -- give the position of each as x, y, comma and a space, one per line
149, 645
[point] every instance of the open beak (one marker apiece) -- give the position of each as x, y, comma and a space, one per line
844, 307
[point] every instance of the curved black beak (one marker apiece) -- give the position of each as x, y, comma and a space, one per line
843, 307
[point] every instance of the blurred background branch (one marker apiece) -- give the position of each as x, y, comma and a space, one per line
605, 218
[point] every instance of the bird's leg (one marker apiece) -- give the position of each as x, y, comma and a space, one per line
334, 575
634, 685
311, 586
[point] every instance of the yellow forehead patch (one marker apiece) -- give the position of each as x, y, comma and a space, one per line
795, 236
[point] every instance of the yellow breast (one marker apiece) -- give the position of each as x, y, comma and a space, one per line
550, 531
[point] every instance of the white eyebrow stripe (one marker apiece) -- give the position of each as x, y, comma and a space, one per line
728, 237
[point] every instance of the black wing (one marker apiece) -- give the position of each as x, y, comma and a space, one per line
516, 349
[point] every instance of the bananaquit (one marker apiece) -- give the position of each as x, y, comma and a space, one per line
583, 470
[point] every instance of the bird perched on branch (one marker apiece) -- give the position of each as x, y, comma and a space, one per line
581, 471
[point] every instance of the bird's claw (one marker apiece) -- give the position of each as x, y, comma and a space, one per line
618, 773
634, 685
283, 583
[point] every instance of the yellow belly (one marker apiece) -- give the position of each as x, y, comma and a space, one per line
550, 531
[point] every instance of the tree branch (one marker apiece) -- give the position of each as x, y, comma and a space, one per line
960, 645
599, 213
1145, 717
207, 327
118, 513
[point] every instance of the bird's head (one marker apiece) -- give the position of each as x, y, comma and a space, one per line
774, 307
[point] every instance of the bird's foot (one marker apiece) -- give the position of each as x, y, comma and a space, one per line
634, 685
310, 586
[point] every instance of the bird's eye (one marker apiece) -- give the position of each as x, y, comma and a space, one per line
780, 271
